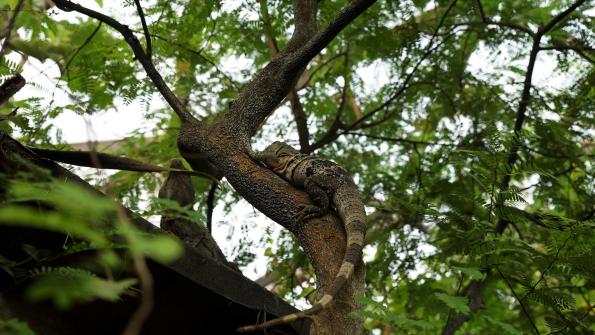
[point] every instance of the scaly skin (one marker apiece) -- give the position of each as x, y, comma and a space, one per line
326, 183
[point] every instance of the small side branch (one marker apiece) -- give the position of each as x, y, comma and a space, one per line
401, 140
331, 133
519, 300
11, 23
149, 48
526, 96
106, 161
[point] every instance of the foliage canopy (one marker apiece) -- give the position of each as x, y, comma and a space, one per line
468, 126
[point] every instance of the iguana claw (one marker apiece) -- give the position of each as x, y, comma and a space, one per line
307, 212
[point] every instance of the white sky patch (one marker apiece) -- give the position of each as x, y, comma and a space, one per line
374, 76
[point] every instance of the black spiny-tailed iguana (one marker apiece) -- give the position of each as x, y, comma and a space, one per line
326, 183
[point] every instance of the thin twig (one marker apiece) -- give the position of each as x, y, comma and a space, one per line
147, 301
200, 54
321, 66
11, 23
547, 268
519, 300
77, 50
401, 140
429, 50
149, 48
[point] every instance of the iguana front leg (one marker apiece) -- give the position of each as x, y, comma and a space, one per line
320, 199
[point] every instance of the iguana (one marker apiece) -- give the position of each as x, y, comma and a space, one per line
327, 184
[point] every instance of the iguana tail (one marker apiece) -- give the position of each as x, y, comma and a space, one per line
351, 211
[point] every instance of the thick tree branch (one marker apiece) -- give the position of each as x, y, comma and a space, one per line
304, 15
139, 53
297, 108
272, 83
10, 87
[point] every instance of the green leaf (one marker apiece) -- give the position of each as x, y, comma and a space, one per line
162, 248
509, 329
472, 273
67, 286
15, 327
32, 218
459, 304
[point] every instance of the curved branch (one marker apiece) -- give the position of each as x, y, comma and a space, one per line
149, 48
139, 53
331, 133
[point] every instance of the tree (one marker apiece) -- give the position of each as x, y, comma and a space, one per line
478, 175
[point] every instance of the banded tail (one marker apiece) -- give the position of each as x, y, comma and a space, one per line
351, 211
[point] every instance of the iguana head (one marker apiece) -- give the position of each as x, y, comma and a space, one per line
277, 155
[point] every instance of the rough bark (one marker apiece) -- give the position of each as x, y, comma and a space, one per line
10, 87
